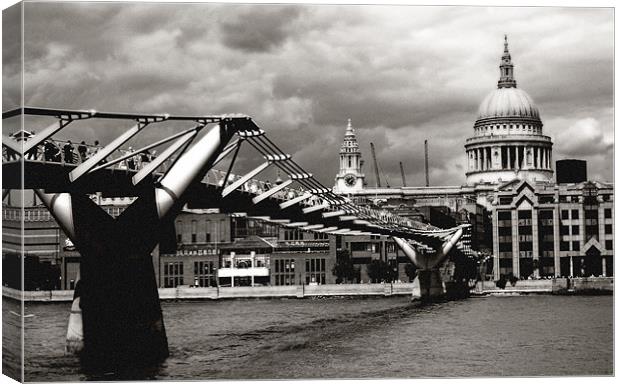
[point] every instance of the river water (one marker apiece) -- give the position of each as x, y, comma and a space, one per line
353, 338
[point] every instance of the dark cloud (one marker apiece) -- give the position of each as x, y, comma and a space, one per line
11, 57
259, 28
403, 74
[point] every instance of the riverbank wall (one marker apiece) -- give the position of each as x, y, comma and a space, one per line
559, 286
215, 293
568, 286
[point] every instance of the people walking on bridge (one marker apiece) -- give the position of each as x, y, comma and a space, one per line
33, 154
68, 152
50, 151
145, 158
9, 154
82, 151
96, 148
131, 162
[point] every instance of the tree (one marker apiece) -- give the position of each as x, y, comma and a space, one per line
344, 269
381, 271
410, 271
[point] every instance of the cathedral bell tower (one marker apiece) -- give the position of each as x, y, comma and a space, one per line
350, 177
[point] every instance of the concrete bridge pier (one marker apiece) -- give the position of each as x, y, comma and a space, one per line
428, 284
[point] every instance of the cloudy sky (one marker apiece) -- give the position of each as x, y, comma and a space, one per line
401, 73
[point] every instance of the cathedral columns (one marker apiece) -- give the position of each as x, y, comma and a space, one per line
517, 165
475, 152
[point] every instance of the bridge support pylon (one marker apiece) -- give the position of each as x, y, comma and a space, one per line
116, 297
428, 284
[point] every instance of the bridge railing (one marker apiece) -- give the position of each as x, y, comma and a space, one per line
256, 187
63, 152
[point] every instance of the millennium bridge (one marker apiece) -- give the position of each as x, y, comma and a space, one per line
116, 318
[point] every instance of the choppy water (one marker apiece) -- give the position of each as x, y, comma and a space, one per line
355, 338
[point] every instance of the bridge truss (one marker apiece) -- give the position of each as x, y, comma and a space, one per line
300, 201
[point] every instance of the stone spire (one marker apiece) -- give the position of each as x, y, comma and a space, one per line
506, 78
350, 131
350, 140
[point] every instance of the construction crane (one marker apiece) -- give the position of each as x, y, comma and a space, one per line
378, 170
374, 159
402, 173
426, 161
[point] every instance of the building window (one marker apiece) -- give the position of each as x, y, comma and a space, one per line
179, 230
204, 274
565, 214
608, 229
592, 214
320, 236
575, 229
575, 245
564, 246
609, 245
563, 229
173, 274
293, 234
284, 272
574, 214
504, 215
315, 271
608, 213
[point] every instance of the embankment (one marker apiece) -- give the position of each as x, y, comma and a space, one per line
559, 286
215, 293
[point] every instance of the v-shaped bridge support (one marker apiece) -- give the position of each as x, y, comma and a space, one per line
428, 285
122, 321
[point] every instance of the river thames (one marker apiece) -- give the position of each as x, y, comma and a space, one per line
352, 338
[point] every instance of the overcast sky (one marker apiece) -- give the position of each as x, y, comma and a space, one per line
401, 73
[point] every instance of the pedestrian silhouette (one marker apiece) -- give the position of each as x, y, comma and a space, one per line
68, 152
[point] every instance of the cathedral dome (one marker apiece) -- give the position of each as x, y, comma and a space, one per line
508, 141
507, 102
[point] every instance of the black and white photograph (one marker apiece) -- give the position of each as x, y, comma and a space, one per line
204, 191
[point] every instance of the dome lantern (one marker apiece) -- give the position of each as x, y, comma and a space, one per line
506, 68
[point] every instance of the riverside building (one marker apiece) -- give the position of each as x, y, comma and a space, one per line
213, 249
546, 229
